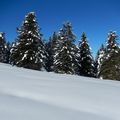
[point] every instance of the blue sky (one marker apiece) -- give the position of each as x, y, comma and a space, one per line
95, 17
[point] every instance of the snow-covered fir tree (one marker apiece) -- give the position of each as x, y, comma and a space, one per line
13, 53
112, 45
3, 48
85, 58
99, 59
64, 58
108, 68
7, 52
29, 50
51, 49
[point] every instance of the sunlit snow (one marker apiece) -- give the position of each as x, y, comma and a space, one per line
33, 95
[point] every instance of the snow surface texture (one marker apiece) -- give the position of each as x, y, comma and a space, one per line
33, 95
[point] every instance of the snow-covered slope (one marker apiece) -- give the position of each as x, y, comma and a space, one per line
33, 95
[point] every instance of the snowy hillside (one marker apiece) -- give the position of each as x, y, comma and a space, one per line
33, 95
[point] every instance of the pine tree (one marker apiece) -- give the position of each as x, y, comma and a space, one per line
112, 45
111, 59
51, 49
99, 60
7, 52
14, 53
86, 61
29, 50
3, 48
64, 59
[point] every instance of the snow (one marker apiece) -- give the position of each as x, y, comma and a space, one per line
33, 13
1, 35
25, 55
29, 32
33, 95
25, 21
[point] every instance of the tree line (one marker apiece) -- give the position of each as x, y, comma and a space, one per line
60, 54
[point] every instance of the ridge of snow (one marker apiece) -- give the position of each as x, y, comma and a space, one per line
34, 95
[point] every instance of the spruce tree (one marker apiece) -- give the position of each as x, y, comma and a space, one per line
14, 53
7, 52
29, 50
51, 49
64, 58
99, 59
112, 45
86, 61
3, 48
111, 59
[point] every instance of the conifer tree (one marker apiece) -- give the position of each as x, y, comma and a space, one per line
13, 53
29, 50
3, 48
112, 45
7, 52
99, 59
64, 59
108, 68
51, 49
86, 61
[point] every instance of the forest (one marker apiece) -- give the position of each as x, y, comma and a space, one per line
60, 54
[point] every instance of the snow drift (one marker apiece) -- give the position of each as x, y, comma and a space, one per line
33, 95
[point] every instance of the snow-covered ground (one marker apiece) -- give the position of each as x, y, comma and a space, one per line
33, 95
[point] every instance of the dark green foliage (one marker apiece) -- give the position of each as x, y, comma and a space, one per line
99, 59
51, 49
112, 45
28, 51
3, 49
86, 61
109, 68
7, 52
64, 59
13, 53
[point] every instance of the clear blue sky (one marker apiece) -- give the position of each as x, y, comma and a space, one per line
95, 17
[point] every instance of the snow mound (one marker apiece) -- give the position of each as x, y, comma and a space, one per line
33, 95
